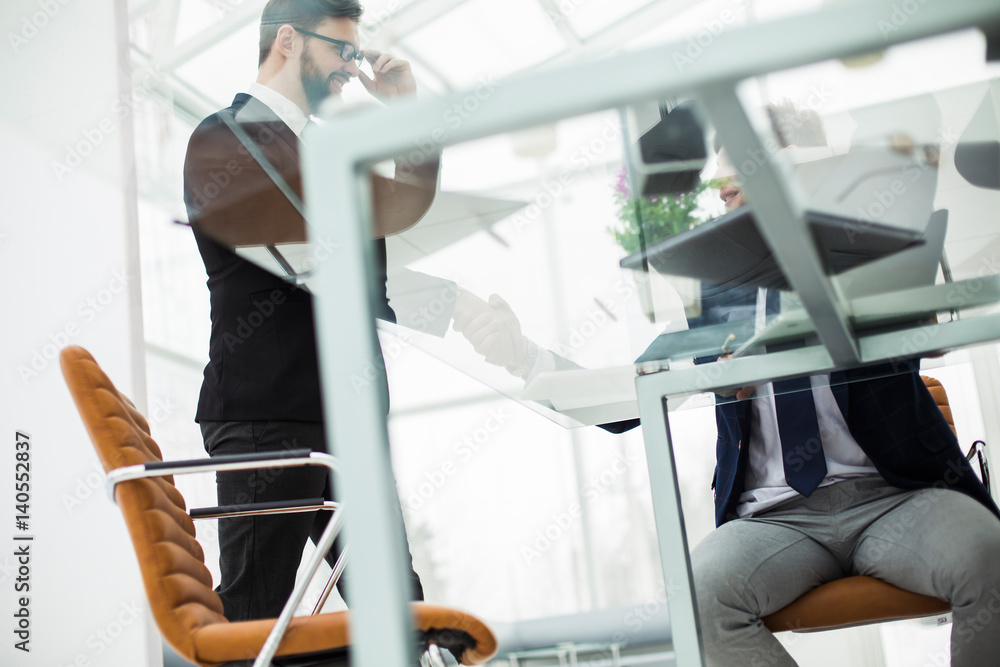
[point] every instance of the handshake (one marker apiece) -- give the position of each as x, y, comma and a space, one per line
494, 332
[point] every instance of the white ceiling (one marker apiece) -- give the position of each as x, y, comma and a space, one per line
208, 48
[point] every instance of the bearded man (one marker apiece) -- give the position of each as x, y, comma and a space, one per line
261, 388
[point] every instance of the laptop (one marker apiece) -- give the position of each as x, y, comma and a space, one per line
730, 251
911, 268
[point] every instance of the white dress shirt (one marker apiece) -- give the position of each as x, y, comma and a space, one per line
284, 108
765, 484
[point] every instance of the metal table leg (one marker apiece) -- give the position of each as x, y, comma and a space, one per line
674, 556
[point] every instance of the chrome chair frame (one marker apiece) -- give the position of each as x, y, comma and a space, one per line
288, 459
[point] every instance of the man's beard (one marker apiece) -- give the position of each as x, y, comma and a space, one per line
314, 84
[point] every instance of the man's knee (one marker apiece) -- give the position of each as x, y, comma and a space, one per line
977, 557
712, 584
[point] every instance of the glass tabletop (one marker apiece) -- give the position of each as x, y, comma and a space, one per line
557, 262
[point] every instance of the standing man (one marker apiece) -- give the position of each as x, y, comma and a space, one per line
261, 389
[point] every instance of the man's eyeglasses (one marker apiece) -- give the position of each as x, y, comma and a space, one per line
348, 52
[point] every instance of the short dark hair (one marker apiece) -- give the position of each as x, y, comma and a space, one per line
305, 14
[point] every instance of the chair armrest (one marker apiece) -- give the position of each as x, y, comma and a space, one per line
978, 450
273, 507
256, 457
284, 459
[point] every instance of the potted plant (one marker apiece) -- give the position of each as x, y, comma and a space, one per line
643, 221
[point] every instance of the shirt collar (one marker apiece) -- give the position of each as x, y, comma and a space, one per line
288, 111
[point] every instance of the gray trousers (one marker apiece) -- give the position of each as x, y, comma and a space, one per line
932, 541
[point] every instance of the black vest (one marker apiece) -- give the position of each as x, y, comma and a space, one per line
262, 351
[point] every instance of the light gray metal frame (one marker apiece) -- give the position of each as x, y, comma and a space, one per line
342, 151
432, 657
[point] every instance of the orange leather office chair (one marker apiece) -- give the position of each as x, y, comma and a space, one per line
179, 586
862, 600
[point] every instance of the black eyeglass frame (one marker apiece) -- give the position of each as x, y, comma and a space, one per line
353, 52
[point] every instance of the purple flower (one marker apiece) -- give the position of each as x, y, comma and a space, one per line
621, 187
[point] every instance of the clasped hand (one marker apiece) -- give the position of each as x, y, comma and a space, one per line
491, 327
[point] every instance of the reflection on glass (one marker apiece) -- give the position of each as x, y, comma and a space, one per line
692, 284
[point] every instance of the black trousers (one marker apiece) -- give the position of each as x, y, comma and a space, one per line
259, 555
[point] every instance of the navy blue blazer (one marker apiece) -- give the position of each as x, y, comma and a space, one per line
891, 415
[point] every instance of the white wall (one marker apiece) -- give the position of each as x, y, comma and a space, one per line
69, 267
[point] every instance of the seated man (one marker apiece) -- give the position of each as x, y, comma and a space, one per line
820, 478
876, 485
853, 473
859, 474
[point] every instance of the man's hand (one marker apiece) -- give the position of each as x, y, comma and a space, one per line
393, 77
743, 393
492, 328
